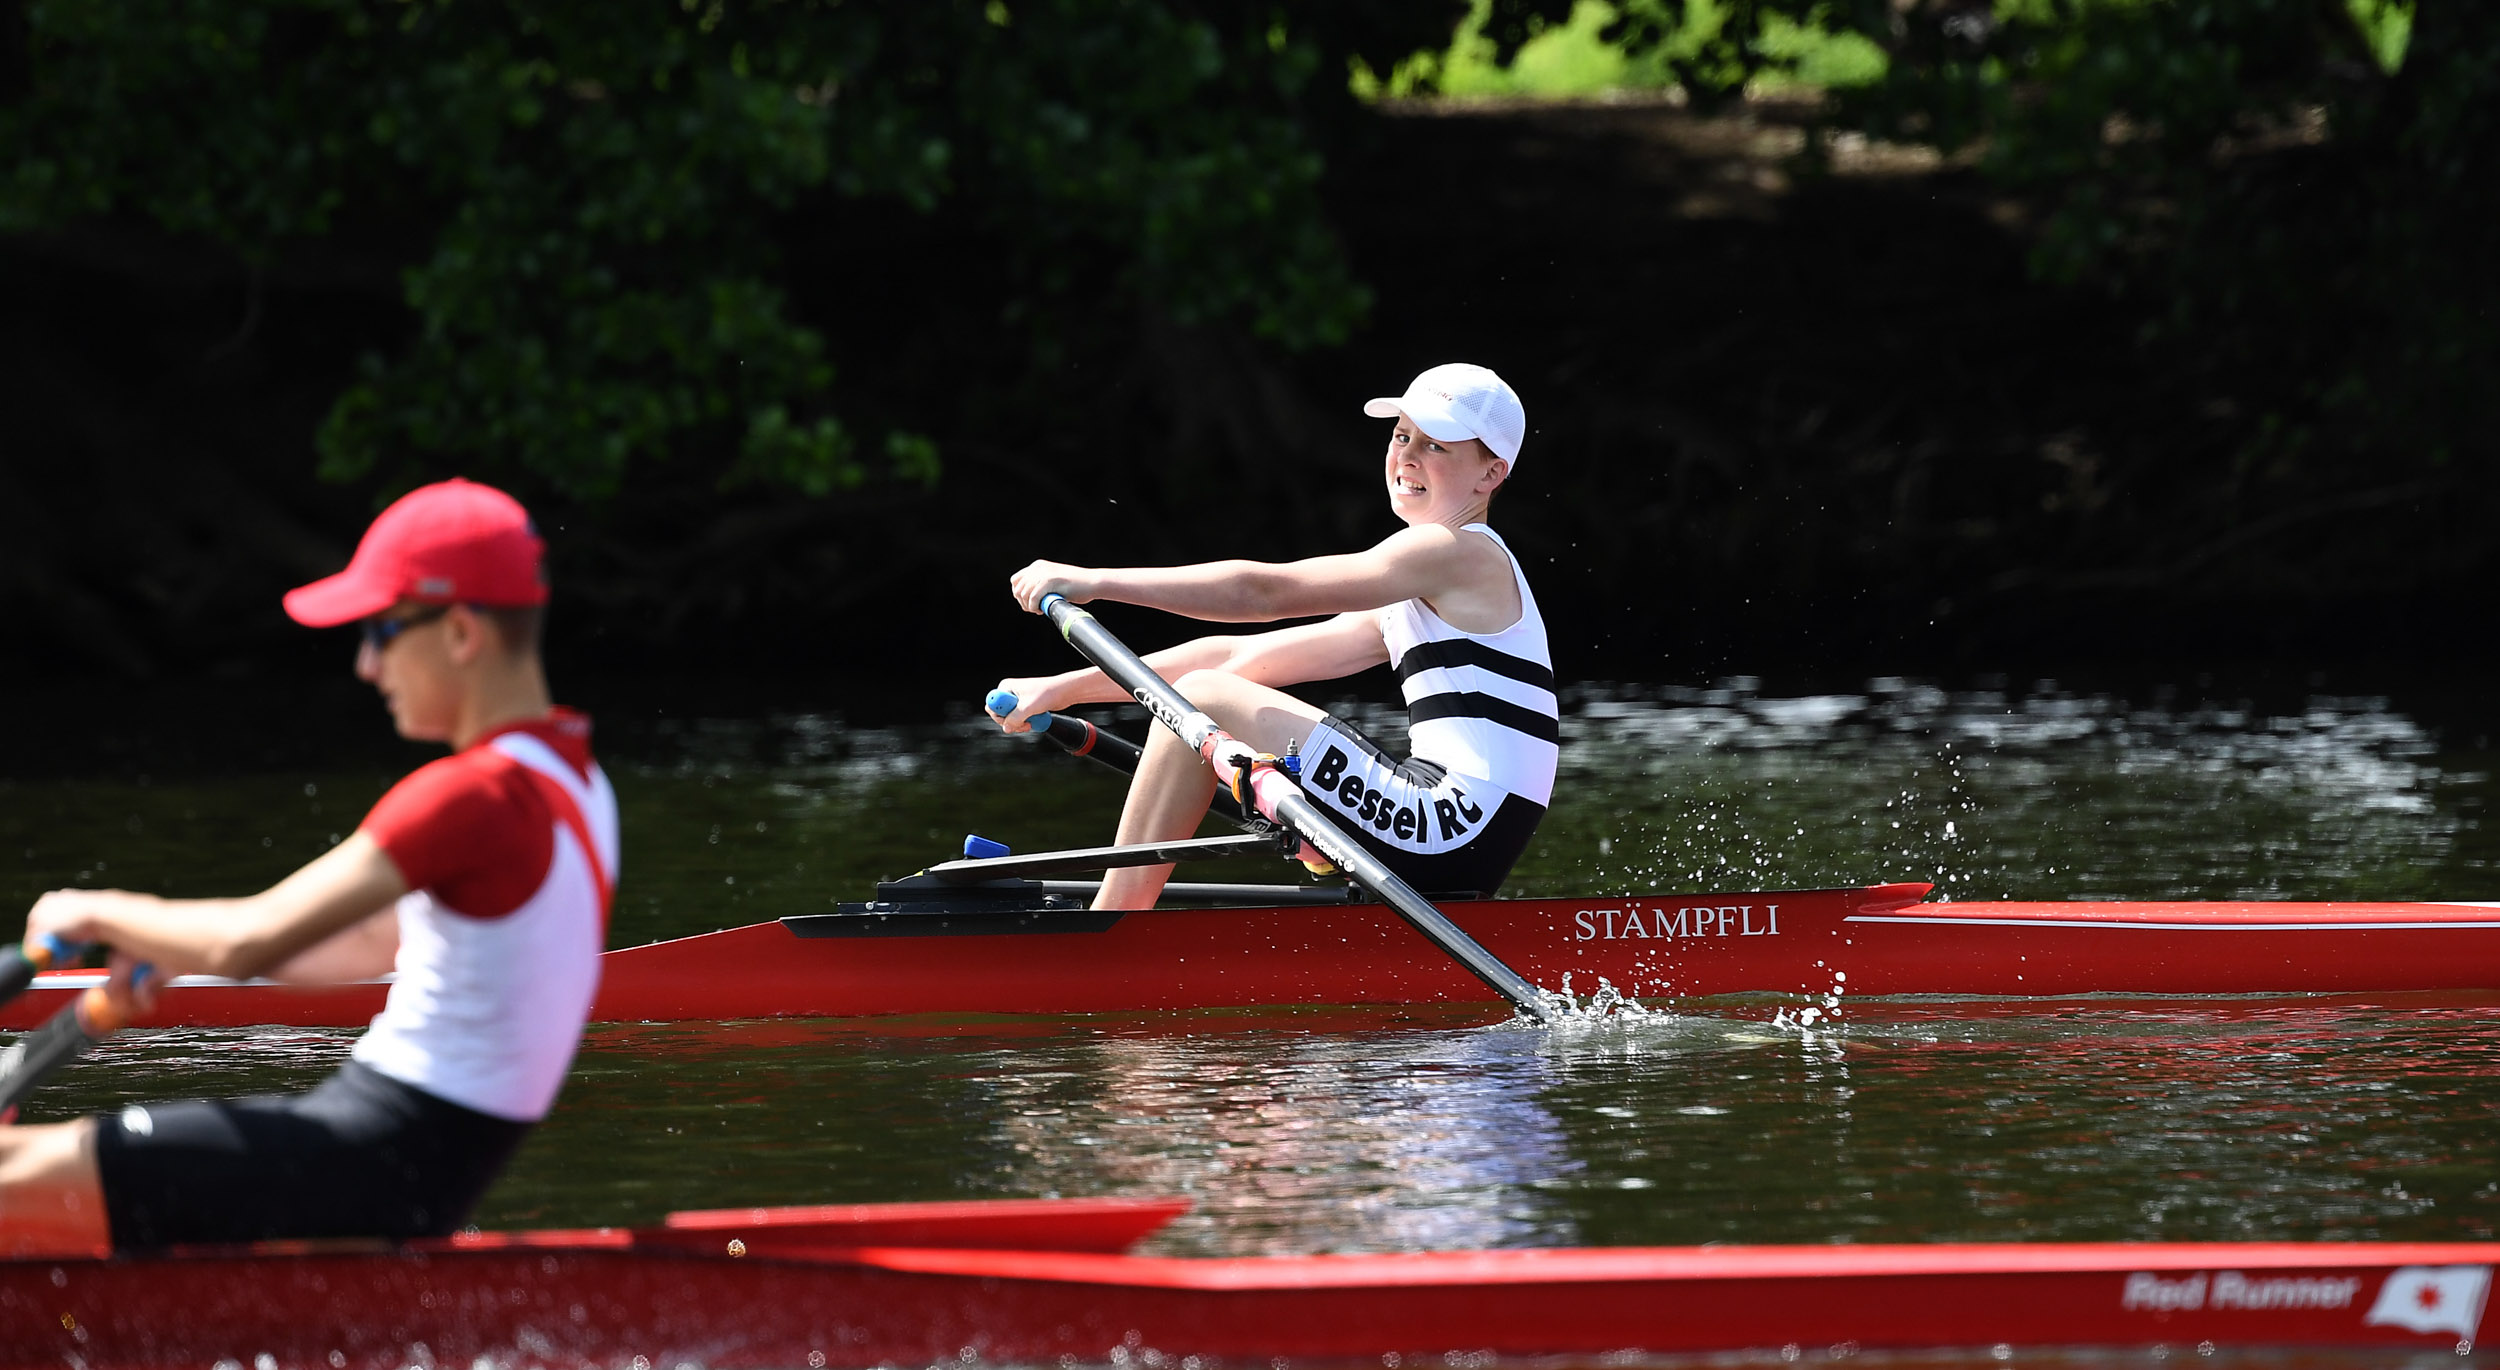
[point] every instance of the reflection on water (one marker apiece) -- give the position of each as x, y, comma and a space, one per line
1910, 1122
1392, 1130
1419, 1141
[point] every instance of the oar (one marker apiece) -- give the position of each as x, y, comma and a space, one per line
1080, 738
87, 1020
1075, 735
1281, 799
19, 964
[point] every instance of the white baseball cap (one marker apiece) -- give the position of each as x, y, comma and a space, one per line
1455, 401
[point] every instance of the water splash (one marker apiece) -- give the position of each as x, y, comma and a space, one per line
1605, 1004
1821, 1015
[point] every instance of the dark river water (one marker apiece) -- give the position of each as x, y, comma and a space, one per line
1692, 1122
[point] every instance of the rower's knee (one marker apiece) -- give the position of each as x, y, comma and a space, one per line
1202, 686
1233, 702
46, 1152
1260, 715
51, 1197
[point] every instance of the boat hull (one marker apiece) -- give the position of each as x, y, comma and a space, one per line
1877, 940
675, 1296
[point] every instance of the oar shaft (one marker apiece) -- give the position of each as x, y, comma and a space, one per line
1285, 802
1074, 735
1367, 870
1080, 738
89, 1019
1129, 670
1077, 737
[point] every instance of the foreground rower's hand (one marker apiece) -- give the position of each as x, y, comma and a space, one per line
75, 915
133, 984
1075, 583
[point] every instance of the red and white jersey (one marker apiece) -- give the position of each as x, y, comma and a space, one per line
509, 849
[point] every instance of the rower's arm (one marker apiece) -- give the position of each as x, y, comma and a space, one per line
367, 949
1341, 646
232, 937
1413, 563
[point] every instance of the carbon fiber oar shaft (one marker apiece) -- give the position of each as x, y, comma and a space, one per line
1077, 737
66, 1035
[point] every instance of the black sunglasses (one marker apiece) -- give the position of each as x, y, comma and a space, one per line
379, 631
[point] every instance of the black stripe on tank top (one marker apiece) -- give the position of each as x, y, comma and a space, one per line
1451, 652
1456, 704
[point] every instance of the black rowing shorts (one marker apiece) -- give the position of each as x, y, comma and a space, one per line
1441, 833
362, 1155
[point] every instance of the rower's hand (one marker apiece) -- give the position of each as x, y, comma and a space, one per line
71, 915
1032, 697
77, 917
1074, 583
132, 983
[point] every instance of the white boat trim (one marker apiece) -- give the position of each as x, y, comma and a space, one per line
89, 979
2132, 925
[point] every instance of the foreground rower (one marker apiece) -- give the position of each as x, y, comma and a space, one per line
1442, 601
482, 878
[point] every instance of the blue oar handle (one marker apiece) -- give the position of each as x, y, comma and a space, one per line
1003, 702
19, 964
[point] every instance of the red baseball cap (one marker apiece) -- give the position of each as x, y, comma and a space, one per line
455, 541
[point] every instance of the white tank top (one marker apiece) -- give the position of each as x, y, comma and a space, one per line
486, 1012
1479, 704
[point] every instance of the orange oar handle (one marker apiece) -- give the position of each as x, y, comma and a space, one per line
101, 1014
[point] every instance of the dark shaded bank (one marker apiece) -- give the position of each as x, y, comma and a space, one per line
1821, 424
1835, 420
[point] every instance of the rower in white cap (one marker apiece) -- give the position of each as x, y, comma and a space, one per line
1442, 601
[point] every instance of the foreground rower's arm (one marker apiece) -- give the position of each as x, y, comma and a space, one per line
1339, 647
341, 889
367, 949
1413, 563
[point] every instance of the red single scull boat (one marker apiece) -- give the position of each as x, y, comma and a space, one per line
1036, 1281
977, 952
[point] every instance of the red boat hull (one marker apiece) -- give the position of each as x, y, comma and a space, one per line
1876, 940
811, 1293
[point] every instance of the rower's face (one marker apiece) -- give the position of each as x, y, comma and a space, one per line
1428, 477
414, 671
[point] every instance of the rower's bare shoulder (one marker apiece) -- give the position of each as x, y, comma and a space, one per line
1434, 542
1487, 559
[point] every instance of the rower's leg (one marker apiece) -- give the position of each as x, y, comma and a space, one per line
1168, 797
51, 1196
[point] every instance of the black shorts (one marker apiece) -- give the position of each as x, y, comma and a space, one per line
361, 1155
1441, 833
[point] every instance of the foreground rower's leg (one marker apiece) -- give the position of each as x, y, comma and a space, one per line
1168, 798
51, 1198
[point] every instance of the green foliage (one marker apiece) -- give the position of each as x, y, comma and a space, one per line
589, 207
1585, 52
2291, 187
